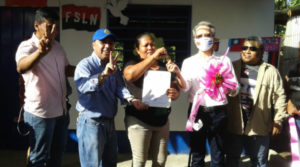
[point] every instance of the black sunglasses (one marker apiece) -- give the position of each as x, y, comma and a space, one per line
252, 48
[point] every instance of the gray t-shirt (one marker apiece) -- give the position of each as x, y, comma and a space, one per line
248, 82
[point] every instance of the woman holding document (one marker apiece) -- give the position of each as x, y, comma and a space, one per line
149, 128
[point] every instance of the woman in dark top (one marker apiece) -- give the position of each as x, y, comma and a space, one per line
148, 128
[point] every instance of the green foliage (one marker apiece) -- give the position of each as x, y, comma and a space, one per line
279, 30
295, 3
172, 52
119, 49
280, 4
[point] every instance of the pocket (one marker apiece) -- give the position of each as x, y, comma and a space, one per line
27, 117
265, 95
80, 127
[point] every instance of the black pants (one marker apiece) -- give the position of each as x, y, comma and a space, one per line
214, 128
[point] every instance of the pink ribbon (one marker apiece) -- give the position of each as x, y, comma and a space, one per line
192, 118
217, 84
294, 143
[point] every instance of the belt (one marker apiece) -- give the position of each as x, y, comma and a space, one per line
220, 108
102, 118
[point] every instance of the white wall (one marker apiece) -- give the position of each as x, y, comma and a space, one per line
232, 18
290, 45
236, 18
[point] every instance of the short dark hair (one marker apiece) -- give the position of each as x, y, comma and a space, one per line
259, 41
256, 39
147, 34
43, 14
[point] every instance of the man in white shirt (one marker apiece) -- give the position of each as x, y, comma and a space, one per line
212, 110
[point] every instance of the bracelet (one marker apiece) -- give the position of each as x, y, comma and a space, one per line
131, 99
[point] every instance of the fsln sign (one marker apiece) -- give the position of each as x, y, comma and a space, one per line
80, 17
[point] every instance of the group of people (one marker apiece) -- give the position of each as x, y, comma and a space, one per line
253, 109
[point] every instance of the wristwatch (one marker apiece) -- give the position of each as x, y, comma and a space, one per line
130, 99
102, 77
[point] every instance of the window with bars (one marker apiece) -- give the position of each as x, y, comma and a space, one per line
170, 24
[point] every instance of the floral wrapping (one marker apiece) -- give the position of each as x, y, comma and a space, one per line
216, 85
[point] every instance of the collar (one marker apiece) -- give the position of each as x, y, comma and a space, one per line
35, 39
253, 68
94, 56
213, 56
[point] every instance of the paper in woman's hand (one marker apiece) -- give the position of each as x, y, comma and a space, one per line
155, 87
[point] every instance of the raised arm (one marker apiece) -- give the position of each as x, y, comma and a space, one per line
134, 72
172, 67
45, 43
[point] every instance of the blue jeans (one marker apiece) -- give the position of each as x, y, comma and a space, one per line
214, 129
47, 139
97, 142
256, 147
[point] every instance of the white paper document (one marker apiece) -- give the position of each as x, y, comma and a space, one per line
156, 84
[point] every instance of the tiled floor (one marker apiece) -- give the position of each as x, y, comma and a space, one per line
13, 158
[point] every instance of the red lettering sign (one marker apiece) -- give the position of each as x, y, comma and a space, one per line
80, 17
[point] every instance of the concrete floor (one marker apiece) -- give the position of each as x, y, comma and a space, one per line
13, 158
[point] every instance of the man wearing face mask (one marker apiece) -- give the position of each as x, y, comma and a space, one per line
211, 112
258, 110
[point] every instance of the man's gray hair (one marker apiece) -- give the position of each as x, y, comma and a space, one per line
205, 23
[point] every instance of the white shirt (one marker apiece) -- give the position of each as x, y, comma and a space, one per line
45, 83
193, 69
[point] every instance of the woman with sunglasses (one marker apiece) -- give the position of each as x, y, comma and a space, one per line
251, 119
